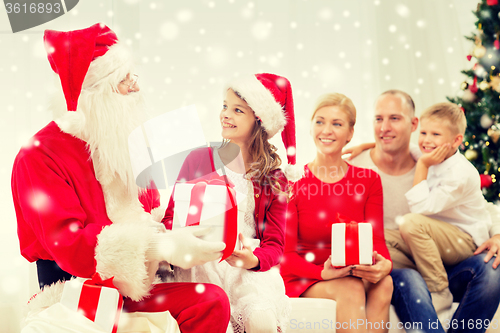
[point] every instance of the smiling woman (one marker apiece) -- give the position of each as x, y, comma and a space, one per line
331, 187
332, 128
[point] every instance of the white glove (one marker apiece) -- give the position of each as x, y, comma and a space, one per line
160, 227
183, 248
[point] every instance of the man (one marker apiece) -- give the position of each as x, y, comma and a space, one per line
76, 199
474, 281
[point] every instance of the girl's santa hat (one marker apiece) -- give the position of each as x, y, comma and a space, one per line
85, 58
270, 97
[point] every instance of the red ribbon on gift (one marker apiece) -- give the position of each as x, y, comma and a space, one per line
89, 299
230, 215
351, 243
351, 239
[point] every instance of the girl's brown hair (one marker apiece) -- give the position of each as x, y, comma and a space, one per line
265, 159
264, 156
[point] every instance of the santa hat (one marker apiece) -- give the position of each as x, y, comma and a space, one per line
90, 54
270, 97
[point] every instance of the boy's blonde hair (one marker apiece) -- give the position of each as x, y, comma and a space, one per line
449, 111
340, 100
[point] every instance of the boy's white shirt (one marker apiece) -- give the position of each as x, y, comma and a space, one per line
451, 193
493, 210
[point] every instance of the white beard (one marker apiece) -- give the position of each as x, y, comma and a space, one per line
105, 120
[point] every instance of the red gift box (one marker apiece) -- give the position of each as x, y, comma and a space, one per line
96, 299
352, 243
193, 207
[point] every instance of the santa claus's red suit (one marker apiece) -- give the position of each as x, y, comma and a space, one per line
78, 208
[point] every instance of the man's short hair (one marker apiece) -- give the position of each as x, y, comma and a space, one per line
406, 99
448, 111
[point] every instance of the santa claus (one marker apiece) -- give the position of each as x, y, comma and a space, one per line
78, 207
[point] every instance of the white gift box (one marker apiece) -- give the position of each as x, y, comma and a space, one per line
352, 244
98, 303
212, 213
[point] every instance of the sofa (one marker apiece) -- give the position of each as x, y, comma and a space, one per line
318, 315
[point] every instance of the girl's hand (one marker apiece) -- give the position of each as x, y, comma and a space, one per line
243, 258
329, 272
373, 273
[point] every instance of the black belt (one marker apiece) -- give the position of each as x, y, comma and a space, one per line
49, 272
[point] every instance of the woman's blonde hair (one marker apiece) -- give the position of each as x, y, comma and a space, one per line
340, 100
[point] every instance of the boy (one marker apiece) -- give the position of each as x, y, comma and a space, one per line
448, 216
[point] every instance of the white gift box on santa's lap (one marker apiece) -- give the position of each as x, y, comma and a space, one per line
352, 244
213, 210
99, 303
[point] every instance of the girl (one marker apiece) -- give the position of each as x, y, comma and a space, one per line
330, 187
255, 108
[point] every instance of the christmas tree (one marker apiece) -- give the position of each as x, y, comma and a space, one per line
480, 99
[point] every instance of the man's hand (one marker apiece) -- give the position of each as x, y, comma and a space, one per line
183, 248
356, 150
329, 272
493, 247
243, 258
373, 273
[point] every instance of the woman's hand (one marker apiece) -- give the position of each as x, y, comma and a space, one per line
373, 273
243, 258
329, 272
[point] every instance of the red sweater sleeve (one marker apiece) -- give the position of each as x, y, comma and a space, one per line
292, 262
49, 206
150, 198
272, 238
374, 213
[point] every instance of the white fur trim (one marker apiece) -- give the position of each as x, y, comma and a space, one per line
158, 213
113, 66
45, 298
121, 247
121, 252
46, 314
72, 123
262, 103
293, 172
